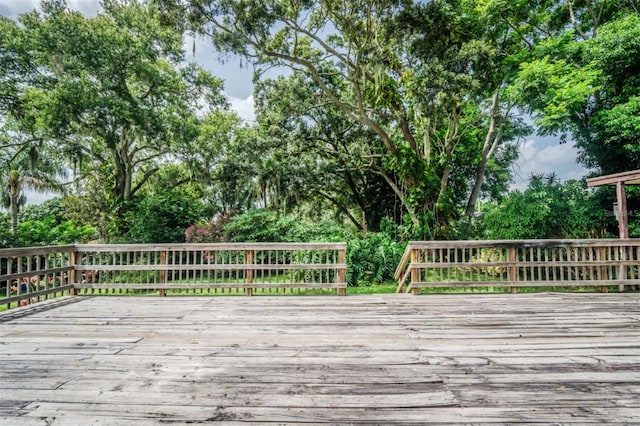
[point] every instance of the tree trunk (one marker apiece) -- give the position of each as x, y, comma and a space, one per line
14, 199
491, 141
14, 215
449, 142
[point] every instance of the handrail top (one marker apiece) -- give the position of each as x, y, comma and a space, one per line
213, 246
28, 251
603, 242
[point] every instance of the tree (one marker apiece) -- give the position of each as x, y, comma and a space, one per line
330, 155
117, 94
581, 79
28, 165
369, 65
224, 158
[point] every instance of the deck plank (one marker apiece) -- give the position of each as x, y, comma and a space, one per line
390, 359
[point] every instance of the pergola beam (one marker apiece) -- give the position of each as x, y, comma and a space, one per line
628, 178
619, 180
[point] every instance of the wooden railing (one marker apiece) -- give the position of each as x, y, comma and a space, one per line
507, 265
36, 273
26, 275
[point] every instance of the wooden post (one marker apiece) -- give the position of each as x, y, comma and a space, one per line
163, 272
415, 272
623, 226
603, 271
9, 283
73, 258
623, 218
248, 273
622, 257
512, 270
342, 272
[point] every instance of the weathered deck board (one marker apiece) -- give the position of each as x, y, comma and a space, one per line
396, 359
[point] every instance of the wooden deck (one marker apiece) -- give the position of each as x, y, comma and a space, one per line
382, 359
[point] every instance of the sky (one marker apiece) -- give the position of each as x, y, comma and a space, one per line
537, 155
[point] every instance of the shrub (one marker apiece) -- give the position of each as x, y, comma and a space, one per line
208, 231
162, 218
47, 233
259, 226
372, 259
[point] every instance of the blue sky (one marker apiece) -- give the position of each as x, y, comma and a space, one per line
537, 155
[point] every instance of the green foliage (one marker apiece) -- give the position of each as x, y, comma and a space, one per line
45, 224
162, 218
49, 232
7, 239
25, 164
265, 225
259, 226
95, 210
383, 106
547, 209
208, 231
118, 97
53, 207
372, 258
581, 78
556, 89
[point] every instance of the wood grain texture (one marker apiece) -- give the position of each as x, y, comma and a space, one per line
383, 359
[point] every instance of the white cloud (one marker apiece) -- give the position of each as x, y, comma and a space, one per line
537, 157
244, 108
12, 8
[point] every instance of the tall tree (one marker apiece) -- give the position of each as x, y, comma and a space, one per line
373, 70
330, 153
581, 79
116, 90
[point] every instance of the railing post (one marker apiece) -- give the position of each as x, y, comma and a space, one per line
622, 275
603, 271
73, 260
415, 272
9, 282
512, 270
163, 272
342, 272
248, 273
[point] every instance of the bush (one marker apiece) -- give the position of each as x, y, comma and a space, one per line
208, 231
49, 233
162, 218
52, 207
259, 226
372, 259
546, 209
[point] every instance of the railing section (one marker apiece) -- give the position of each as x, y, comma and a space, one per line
231, 268
30, 275
507, 265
